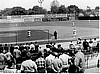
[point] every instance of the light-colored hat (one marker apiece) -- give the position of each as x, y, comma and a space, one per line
16, 47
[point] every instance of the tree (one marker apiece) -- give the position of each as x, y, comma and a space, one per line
18, 11
14, 11
30, 11
44, 11
73, 9
62, 9
6, 11
39, 10
54, 9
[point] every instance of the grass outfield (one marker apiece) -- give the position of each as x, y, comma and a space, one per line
64, 29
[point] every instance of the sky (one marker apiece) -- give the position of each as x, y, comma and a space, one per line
46, 3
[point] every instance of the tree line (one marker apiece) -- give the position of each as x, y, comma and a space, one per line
40, 10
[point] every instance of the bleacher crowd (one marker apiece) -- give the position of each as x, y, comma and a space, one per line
31, 58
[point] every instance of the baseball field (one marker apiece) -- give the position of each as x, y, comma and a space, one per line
12, 32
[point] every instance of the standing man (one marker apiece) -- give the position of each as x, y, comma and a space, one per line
64, 58
41, 64
55, 34
57, 64
74, 33
29, 33
49, 60
36, 47
85, 44
79, 61
2, 58
17, 54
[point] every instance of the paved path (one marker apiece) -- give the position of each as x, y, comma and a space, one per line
93, 70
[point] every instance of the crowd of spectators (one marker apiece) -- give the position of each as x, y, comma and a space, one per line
31, 58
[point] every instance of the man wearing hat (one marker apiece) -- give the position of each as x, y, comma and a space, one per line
79, 61
17, 54
49, 60
57, 64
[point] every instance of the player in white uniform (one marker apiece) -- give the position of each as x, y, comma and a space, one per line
29, 33
74, 33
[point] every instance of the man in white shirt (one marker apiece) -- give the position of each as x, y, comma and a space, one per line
32, 45
9, 57
17, 55
28, 66
64, 58
2, 58
57, 64
49, 60
94, 45
71, 45
94, 42
79, 60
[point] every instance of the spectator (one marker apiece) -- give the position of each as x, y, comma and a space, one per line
94, 42
79, 41
72, 67
60, 49
45, 53
32, 45
1, 48
48, 45
27, 46
90, 43
23, 54
21, 47
79, 61
24, 45
64, 58
32, 50
36, 46
98, 58
48, 49
2, 58
94, 45
97, 46
49, 60
28, 66
41, 50
71, 45
51, 44
17, 54
40, 63
53, 49
10, 68
85, 45
6, 48
9, 57
11, 49
57, 64
55, 45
